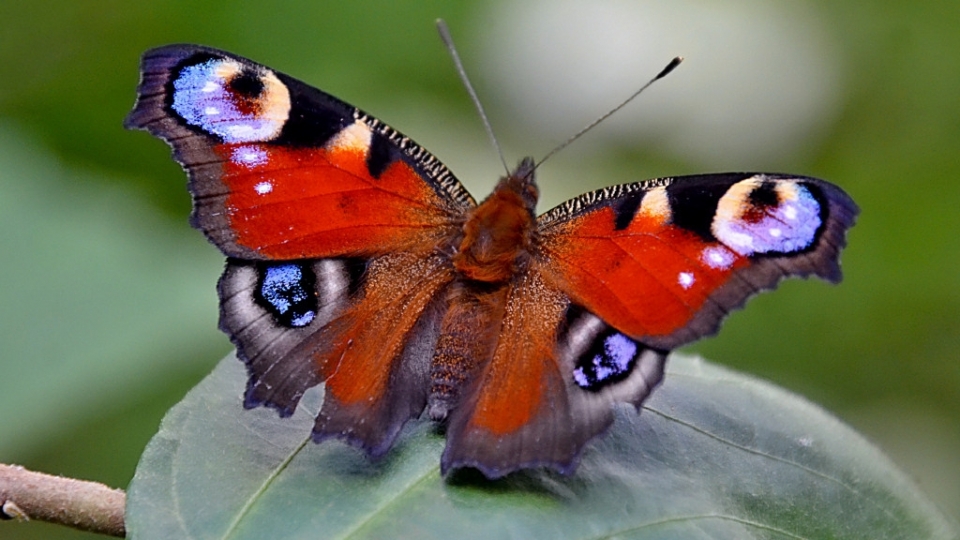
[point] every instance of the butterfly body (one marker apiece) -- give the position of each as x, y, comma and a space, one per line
356, 259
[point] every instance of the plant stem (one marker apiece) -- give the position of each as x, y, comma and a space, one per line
88, 506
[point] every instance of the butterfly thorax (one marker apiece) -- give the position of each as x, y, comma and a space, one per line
498, 233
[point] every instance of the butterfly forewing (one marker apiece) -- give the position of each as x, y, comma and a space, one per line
280, 171
663, 261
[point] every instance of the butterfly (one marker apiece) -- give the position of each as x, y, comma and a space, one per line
356, 259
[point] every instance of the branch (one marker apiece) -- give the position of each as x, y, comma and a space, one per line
87, 506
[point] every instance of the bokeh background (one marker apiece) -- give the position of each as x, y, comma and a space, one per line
107, 303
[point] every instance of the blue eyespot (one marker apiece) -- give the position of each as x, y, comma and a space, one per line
288, 292
610, 359
204, 96
788, 225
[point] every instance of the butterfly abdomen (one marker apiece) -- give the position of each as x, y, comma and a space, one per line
468, 337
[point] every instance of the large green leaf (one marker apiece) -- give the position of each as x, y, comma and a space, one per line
715, 454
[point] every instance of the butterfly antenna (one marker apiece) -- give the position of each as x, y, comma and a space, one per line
448, 42
663, 73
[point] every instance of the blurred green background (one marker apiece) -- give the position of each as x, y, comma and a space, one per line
107, 303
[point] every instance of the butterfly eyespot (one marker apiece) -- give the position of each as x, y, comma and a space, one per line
609, 360
757, 217
226, 99
763, 196
288, 293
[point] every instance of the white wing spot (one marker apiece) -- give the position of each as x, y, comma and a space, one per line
685, 279
263, 188
717, 257
249, 156
211, 111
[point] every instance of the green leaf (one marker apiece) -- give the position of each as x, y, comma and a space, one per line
715, 454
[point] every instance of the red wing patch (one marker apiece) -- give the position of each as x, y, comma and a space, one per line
295, 203
648, 279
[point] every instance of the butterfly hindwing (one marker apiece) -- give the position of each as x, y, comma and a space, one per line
550, 386
665, 260
280, 170
380, 351
366, 329
274, 312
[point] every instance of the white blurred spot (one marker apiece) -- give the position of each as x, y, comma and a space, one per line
250, 156
717, 257
760, 80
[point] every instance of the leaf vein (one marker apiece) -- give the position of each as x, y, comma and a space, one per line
695, 517
242, 513
429, 473
773, 457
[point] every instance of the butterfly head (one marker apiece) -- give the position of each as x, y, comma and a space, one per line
522, 181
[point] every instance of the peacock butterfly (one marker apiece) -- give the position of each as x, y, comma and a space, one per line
356, 259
